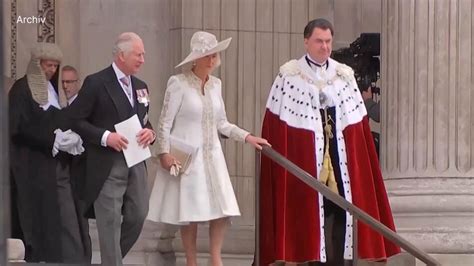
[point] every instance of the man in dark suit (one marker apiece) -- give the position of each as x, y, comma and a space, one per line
106, 98
70, 178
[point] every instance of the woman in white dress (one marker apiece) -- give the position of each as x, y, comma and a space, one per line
193, 111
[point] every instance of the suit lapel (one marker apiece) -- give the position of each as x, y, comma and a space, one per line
115, 91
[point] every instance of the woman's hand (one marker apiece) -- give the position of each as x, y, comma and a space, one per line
256, 141
166, 160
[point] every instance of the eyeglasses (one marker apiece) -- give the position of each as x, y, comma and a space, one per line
69, 81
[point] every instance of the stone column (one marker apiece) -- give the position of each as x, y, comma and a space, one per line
4, 187
427, 148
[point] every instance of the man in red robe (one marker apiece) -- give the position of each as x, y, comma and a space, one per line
315, 116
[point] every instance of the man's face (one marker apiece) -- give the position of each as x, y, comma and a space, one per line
70, 83
49, 67
132, 60
319, 44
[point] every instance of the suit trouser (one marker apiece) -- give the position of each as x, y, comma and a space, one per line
123, 193
71, 238
84, 228
334, 231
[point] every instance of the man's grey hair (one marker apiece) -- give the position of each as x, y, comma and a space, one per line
124, 42
69, 68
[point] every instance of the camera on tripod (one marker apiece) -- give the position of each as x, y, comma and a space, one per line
363, 56
374, 89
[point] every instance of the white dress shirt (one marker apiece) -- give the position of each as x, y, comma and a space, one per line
53, 99
119, 74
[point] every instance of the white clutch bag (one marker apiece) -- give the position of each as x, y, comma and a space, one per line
184, 154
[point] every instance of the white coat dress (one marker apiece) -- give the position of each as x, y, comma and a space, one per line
206, 192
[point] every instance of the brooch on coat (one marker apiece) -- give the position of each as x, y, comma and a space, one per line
142, 97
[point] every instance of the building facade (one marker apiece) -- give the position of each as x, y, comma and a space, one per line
427, 74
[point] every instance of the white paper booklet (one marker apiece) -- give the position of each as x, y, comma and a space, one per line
134, 153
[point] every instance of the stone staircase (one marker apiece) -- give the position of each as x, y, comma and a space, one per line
159, 246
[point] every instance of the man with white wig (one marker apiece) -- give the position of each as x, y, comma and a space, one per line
36, 138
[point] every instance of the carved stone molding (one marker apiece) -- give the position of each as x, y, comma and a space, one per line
13, 54
417, 186
46, 30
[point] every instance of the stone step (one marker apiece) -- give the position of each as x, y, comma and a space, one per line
402, 259
15, 250
452, 259
59, 264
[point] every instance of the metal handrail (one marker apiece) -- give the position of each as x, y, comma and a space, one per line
356, 212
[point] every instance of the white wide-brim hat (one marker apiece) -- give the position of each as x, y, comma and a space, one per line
204, 44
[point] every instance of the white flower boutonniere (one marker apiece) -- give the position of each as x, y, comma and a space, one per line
142, 96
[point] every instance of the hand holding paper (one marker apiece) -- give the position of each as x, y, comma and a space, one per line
134, 153
117, 141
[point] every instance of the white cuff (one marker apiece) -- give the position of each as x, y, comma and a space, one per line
103, 141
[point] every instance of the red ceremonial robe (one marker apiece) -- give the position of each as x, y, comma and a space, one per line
291, 211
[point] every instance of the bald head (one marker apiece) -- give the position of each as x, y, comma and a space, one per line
129, 53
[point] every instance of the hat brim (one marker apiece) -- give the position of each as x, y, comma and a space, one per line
221, 46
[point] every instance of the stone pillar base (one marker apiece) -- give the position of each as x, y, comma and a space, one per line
435, 214
452, 259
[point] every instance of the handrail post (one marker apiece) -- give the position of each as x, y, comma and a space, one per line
355, 250
257, 208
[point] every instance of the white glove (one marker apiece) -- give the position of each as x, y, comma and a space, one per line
67, 141
78, 148
59, 136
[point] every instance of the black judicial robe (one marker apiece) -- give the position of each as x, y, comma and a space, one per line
33, 171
